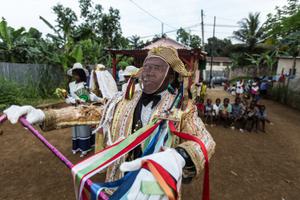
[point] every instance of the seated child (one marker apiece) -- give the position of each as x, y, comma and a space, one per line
200, 106
225, 112
216, 109
237, 114
251, 116
262, 116
233, 90
208, 111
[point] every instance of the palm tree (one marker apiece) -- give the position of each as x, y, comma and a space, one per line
251, 31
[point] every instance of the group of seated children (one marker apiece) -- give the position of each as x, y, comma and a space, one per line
238, 115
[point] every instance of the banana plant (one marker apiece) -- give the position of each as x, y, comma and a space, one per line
256, 60
12, 41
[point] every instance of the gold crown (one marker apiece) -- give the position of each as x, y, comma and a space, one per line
170, 55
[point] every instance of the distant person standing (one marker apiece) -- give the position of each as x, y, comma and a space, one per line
263, 88
255, 91
239, 87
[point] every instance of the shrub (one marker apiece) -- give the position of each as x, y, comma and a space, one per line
10, 93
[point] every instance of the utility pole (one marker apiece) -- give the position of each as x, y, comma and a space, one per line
211, 53
162, 29
189, 37
202, 27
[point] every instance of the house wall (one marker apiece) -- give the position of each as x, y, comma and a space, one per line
285, 65
218, 69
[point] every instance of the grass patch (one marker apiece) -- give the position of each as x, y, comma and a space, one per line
14, 94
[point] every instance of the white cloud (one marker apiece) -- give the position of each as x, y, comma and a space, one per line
175, 13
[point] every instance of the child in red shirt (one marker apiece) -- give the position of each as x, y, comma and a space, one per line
200, 106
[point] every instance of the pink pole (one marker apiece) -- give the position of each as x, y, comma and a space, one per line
3, 118
54, 150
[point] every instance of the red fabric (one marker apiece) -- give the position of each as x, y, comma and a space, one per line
200, 106
167, 176
186, 136
137, 141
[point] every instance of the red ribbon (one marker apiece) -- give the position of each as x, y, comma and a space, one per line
164, 174
186, 136
137, 141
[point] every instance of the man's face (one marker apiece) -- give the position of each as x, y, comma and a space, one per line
153, 75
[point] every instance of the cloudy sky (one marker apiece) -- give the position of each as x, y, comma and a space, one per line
134, 20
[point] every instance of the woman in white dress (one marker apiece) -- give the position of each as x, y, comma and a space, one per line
82, 138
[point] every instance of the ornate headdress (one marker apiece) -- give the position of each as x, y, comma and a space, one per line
170, 55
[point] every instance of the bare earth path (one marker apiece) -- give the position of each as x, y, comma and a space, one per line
246, 166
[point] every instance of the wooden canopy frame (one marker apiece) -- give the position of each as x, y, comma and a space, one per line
190, 57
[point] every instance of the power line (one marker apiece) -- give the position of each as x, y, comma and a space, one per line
223, 25
227, 19
147, 12
193, 26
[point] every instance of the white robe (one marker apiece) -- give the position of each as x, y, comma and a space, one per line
107, 84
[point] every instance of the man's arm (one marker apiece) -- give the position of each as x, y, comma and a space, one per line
193, 125
71, 116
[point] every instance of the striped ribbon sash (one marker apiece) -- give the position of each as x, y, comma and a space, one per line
98, 162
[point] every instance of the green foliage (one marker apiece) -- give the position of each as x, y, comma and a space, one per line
32, 93
77, 53
84, 38
188, 39
251, 32
218, 47
283, 28
9, 93
135, 42
279, 93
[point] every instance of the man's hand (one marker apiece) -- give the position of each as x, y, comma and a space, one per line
33, 115
169, 159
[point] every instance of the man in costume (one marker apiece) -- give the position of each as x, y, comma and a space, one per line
125, 113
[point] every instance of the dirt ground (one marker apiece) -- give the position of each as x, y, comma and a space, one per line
246, 166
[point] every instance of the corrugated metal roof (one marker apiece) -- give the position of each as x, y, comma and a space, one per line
165, 41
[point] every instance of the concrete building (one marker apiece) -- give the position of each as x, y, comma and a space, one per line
220, 66
285, 66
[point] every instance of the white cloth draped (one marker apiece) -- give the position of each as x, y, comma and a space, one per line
106, 82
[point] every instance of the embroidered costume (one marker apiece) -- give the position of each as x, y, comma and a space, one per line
121, 116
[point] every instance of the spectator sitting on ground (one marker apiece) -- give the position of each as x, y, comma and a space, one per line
200, 106
262, 116
216, 109
226, 85
251, 116
237, 114
208, 112
225, 112
233, 90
